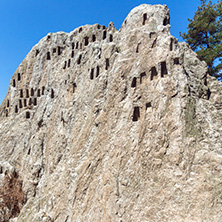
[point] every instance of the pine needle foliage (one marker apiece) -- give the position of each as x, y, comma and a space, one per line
205, 35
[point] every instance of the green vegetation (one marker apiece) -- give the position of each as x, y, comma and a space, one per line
205, 35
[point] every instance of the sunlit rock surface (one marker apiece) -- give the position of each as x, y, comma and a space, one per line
107, 125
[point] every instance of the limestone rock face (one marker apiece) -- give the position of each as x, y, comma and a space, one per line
107, 125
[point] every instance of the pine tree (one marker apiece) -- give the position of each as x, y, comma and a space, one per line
205, 35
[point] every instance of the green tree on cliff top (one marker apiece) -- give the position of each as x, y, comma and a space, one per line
205, 35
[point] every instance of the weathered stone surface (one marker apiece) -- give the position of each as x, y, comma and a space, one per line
107, 125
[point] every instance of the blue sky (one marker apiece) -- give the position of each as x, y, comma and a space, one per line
24, 22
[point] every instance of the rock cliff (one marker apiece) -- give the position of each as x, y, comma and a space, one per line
107, 125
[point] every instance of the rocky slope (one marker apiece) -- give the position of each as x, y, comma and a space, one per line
107, 125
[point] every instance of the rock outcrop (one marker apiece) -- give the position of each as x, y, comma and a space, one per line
107, 125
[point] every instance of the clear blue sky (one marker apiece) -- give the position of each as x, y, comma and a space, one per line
24, 22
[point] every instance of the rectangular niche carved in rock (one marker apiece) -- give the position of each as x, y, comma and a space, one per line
92, 74
6, 113
16, 109
86, 40
72, 54
7, 103
93, 38
163, 69
27, 115
74, 87
25, 103
59, 50
97, 71
142, 76
171, 44
52, 93
19, 76
136, 113
36, 52
27, 93
153, 73
110, 37
13, 83
144, 18
107, 64
35, 102
148, 106
20, 103
69, 61
38, 92
32, 92
133, 84
30, 101
73, 45
64, 67
208, 94
43, 90
104, 35
77, 45
54, 50
48, 56
79, 59
21, 93
176, 61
